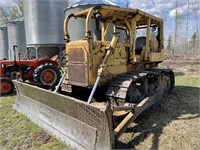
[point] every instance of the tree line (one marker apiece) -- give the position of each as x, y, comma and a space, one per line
181, 42
10, 12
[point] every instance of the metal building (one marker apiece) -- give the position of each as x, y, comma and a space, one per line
3, 42
93, 2
44, 25
16, 36
77, 26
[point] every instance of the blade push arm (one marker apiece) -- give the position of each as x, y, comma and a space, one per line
109, 52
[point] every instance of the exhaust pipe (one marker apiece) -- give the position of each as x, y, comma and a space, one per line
14, 49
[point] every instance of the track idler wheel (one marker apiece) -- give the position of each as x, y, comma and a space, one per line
166, 84
6, 86
47, 74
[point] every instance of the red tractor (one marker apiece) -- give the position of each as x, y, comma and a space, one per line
37, 71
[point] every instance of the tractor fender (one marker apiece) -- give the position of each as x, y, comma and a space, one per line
45, 61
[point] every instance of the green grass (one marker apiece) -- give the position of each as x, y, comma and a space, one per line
192, 81
188, 85
16, 131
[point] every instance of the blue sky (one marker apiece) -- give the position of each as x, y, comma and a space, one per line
162, 8
166, 9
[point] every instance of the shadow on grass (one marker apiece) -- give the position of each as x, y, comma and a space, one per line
12, 94
184, 100
179, 74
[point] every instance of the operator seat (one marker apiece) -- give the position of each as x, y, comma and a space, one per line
140, 42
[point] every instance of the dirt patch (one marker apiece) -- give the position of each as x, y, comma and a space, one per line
42, 137
182, 66
173, 123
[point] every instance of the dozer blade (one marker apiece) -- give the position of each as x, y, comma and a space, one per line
78, 124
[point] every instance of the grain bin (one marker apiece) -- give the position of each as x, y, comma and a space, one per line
3, 42
16, 36
44, 25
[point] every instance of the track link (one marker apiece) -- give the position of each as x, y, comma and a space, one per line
118, 87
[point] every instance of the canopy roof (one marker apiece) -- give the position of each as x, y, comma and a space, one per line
120, 15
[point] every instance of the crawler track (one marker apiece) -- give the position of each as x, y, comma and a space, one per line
134, 86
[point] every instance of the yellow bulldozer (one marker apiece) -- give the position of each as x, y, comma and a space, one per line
106, 83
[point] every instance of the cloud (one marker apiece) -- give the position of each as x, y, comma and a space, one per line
162, 5
181, 11
7, 3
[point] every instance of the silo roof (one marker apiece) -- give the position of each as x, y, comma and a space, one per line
16, 20
93, 2
3, 26
19, 19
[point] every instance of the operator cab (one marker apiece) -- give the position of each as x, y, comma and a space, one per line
141, 32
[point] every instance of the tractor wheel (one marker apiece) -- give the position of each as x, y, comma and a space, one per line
6, 86
47, 74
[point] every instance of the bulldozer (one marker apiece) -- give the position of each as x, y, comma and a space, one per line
106, 84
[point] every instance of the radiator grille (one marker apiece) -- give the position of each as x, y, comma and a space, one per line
76, 55
77, 67
78, 74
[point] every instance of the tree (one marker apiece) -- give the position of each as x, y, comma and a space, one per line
186, 31
20, 7
4, 14
176, 26
194, 39
194, 46
196, 11
169, 44
8, 13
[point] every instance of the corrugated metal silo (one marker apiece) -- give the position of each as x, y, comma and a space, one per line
76, 27
16, 36
3, 42
44, 25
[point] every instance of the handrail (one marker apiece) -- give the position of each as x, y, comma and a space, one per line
65, 28
88, 21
